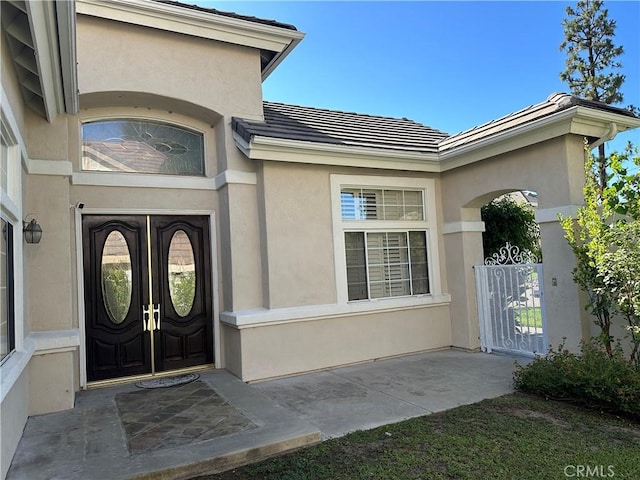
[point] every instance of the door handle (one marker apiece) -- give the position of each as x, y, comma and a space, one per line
150, 317
156, 316
145, 318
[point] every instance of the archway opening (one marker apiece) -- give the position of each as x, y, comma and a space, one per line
510, 218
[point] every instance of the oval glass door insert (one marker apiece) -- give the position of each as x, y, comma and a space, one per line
116, 277
182, 273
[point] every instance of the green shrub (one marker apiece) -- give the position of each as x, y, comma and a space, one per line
592, 378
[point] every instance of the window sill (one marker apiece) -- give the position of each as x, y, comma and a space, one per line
134, 180
263, 316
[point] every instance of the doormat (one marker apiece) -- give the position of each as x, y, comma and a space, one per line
166, 382
166, 418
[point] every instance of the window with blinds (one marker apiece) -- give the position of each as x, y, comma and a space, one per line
382, 259
380, 204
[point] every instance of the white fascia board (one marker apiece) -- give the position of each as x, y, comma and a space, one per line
44, 31
191, 22
624, 121
66, 15
295, 151
596, 123
519, 137
576, 120
280, 57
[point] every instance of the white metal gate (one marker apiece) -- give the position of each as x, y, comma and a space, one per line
511, 303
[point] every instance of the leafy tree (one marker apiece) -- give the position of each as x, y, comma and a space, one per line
591, 61
605, 240
619, 265
587, 240
508, 221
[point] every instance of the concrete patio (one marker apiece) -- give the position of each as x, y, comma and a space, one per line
218, 422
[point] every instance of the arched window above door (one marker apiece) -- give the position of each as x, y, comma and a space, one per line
141, 146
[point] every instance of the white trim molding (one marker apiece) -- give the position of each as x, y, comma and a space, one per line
459, 227
55, 341
141, 180
263, 316
235, 176
49, 167
297, 151
550, 215
134, 180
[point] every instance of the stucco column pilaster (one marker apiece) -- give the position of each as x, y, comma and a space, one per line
240, 249
463, 249
564, 301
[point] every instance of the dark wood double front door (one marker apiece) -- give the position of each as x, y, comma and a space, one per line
148, 302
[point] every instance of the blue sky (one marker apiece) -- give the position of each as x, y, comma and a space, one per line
449, 65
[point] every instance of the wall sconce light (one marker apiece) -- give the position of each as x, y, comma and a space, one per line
32, 230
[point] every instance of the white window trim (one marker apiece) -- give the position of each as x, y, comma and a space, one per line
11, 210
427, 185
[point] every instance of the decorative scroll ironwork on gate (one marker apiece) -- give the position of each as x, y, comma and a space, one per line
511, 303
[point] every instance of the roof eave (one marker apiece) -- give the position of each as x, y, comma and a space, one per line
44, 26
296, 151
576, 120
280, 56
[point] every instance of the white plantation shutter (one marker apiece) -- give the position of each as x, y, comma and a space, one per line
379, 204
388, 259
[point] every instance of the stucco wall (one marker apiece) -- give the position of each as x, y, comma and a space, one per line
48, 274
298, 242
554, 169
290, 348
215, 75
243, 273
52, 383
13, 417
298, 235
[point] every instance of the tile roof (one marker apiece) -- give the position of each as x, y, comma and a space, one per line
317, 125
214, 11
340, 128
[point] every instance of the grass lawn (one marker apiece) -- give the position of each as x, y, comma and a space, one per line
511, 437
529, 317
